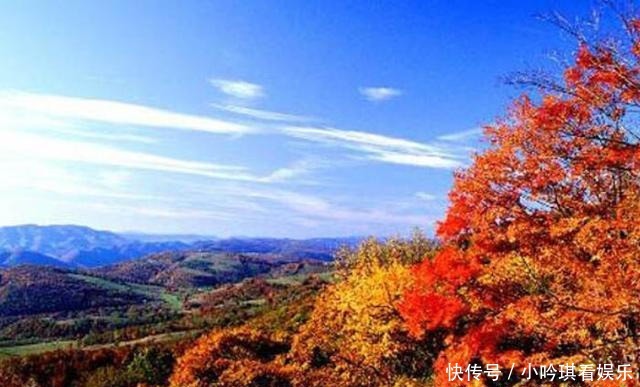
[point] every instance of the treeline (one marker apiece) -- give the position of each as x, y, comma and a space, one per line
116, 367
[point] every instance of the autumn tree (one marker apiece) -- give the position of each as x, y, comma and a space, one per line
232, 357
355, 336
541, 242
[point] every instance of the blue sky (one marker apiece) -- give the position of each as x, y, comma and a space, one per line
261, 118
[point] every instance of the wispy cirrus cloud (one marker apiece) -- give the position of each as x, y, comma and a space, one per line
163, 212
115, 137
318, 210
238, 89
288, 173
262, 114
44, 177
115, 112
301, 171
426, 196
379, 94
381, 148
112, 162
462, 136
38, 147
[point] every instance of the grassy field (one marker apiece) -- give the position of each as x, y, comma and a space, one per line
23, 350
297, 279
32, 349
173, 300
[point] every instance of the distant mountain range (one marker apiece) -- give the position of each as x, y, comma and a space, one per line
82, 247
18, 258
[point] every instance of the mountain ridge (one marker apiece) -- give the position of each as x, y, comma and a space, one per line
84, 247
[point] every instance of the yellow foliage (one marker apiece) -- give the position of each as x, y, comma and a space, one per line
215, 359
356, 333
354, 337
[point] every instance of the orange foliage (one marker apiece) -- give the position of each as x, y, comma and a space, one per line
355, 336
541, 241
222, 358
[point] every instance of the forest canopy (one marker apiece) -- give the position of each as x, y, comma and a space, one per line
539, 262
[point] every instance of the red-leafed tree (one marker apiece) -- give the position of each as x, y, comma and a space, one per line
541, 244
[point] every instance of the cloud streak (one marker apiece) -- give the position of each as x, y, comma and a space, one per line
162, 212
462, 136
379, 94
380, 148
425, 196
115, 137
38, 147
262, 114
316, 209
116, 112
238, 89
30, 175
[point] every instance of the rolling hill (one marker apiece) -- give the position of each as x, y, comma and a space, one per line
194, 269
28, 290
18, 258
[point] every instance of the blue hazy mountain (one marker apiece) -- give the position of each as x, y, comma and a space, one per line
185, 238
80, 246
72, 245
292, 249
19, 258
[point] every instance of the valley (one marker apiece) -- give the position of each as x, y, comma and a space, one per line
48, 304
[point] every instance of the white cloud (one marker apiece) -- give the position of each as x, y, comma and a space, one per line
299, 171
378, 94
286, 173
380, 148
262, 114
238, 89
162, 212
314, 208
461, 136
311, 208
19, 174
36, 147
116, 137
318, 208
115, 112
425, 196
114, 179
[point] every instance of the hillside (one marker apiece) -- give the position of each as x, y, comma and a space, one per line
201, 269
17, 258
130, 250
28, 290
